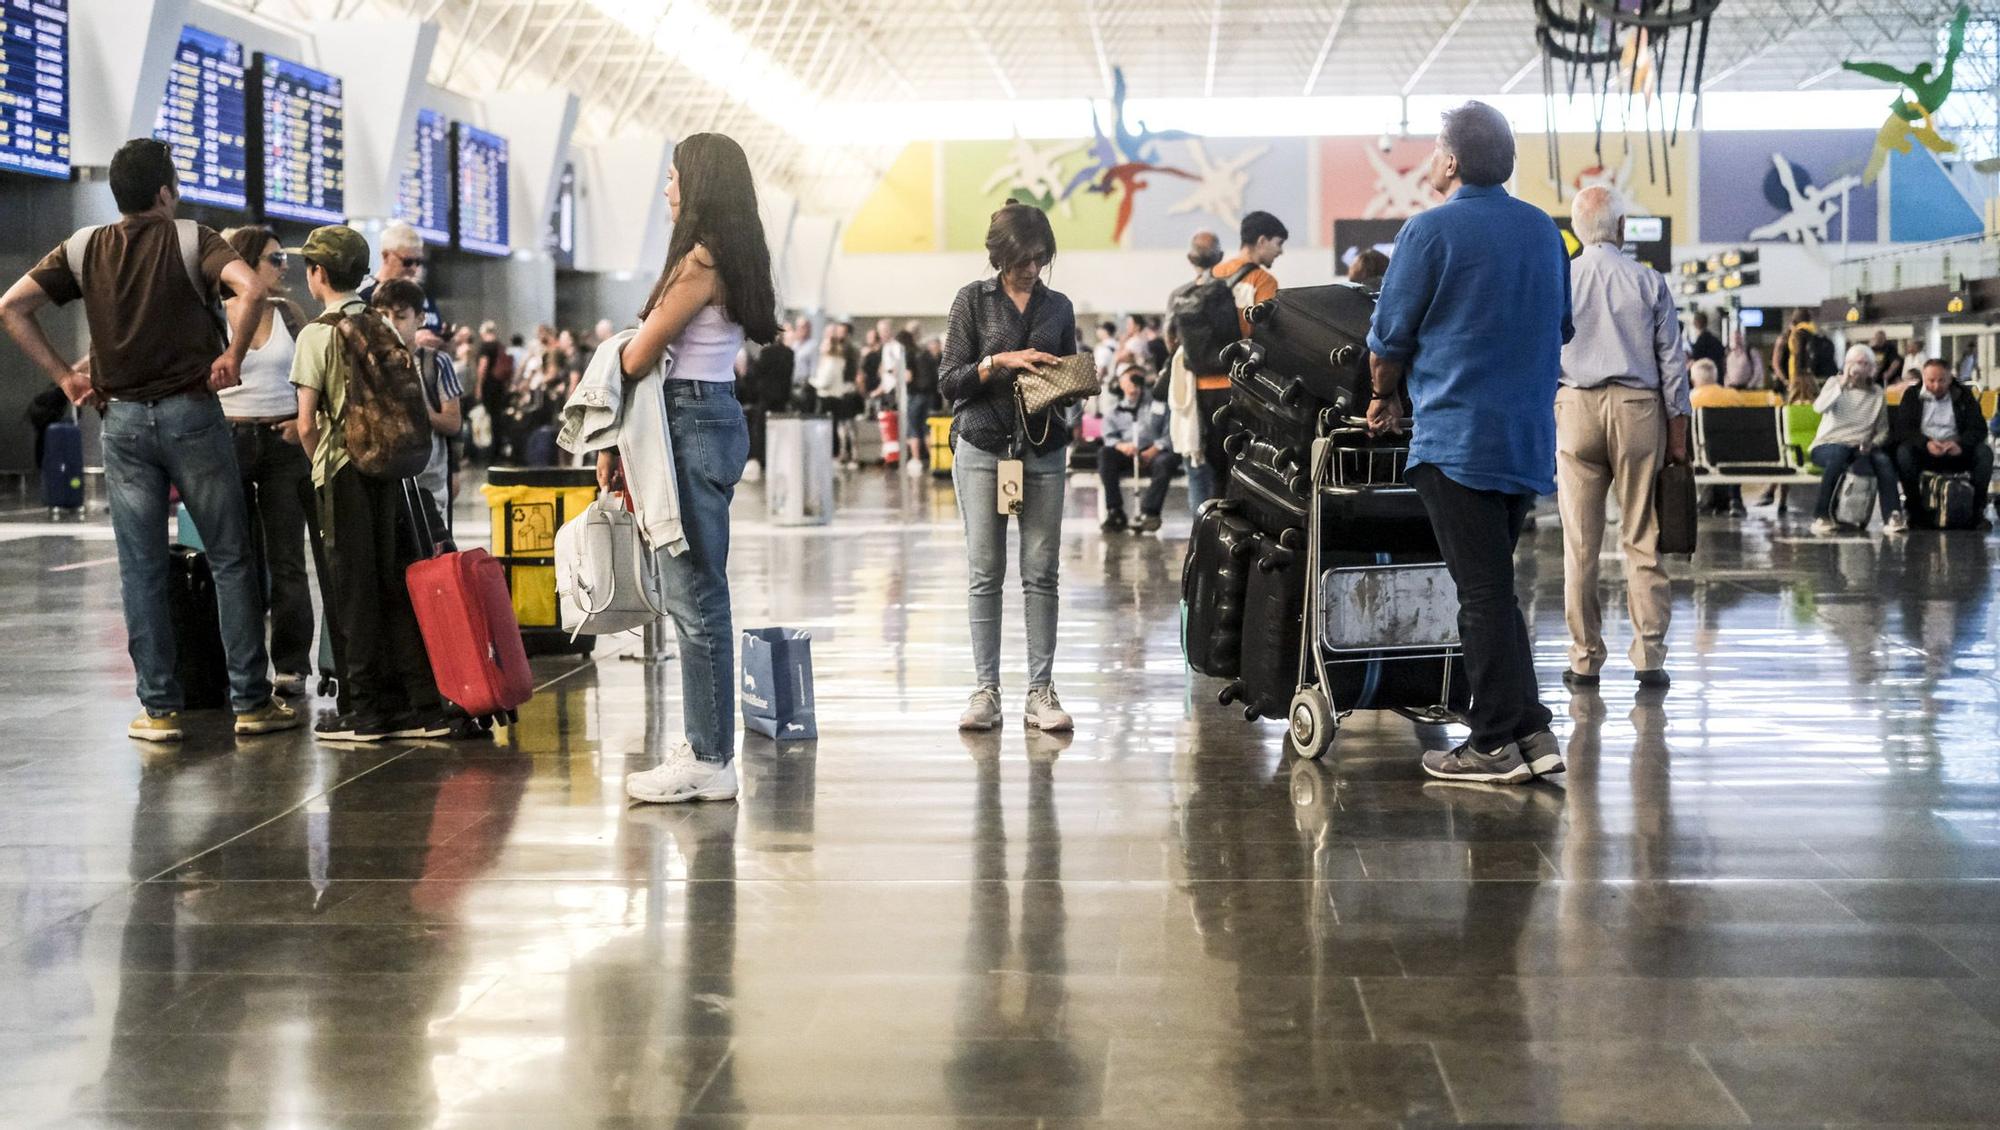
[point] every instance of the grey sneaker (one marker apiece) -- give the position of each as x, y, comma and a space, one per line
983, 711
1543, 754
1501, 767
1045, 712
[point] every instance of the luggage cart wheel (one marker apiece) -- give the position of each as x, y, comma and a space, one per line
1312, 722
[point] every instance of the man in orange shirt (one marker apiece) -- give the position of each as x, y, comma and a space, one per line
1263, 238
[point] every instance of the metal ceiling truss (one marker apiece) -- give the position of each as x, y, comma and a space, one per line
843, 52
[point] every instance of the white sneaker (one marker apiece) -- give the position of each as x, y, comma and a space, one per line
1897, 523
682, 777
1825, 527
1045, 711
982, 712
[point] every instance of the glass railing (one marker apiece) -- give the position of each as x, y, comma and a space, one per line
1927, 264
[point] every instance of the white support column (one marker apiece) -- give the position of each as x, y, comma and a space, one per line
537, 128
384, 64
120, 53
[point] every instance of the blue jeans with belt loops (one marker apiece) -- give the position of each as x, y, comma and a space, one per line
184, 442
974, 475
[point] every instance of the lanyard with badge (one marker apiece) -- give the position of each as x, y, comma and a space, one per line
1010, 475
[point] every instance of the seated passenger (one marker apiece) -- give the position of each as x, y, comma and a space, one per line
1853, 423
1135, 440
1708, 392
1941, 429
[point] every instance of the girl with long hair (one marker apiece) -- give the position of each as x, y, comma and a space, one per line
714, 291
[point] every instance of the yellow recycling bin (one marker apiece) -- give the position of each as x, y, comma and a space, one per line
529, 504
941, 446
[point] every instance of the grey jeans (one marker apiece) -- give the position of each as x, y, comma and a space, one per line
974, 475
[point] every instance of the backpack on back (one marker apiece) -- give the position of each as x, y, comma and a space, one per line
386, 423
1207, 321
1821, 357
188, 234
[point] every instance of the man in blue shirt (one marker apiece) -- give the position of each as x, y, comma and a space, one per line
1474, 313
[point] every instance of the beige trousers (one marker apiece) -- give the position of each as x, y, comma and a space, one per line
1611, 439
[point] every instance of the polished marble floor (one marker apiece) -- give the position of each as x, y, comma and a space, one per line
1772, 896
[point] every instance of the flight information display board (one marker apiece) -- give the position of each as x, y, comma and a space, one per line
202, 117
423, 197
479, 206
303, 138
34, 87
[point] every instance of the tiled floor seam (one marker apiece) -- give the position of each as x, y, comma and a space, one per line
1444, 1080
1695, 1051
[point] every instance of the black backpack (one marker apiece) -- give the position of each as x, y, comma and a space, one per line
1206, 318
1821, 358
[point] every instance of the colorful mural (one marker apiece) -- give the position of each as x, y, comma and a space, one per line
1787, 186
1640, 181
1925, 203
901, 214
1359, 180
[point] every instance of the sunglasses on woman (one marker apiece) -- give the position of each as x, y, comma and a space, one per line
277, 259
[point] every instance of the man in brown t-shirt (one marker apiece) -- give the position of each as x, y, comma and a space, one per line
157, 359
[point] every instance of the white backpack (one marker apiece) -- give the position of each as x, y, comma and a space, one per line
605, 578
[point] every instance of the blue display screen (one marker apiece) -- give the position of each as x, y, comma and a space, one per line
202, 117
34, 87
423, 196
305, 143
480, 206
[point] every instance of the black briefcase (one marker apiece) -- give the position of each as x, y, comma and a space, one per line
1674, 505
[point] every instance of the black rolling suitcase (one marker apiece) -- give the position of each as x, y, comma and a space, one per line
1222, 552
1318, 334
200, 664
1273, 408
1268, 484
1273, 617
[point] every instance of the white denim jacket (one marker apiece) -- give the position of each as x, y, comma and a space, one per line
605, 412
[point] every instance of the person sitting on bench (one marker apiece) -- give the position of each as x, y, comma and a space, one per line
1135, 440
1939, 427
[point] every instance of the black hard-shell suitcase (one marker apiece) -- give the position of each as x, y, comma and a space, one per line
1222, 552
1270, 487
1384, 680
62, 466
200, 664
1274, 409
1318, 334
1273, 617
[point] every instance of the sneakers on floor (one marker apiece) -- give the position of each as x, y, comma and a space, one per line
1825, 527
1503, 766
269, 718
161, 728
1147, 523
416, 726
982, 711
351, 728
682, 777
1114, 523
1044, 711
1897, 523
1543, 754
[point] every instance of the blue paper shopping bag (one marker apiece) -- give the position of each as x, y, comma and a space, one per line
778, 684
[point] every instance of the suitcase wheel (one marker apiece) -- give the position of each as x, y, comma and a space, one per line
328, 687
1261, 313
1294, 392
1231, 693
1344, 356
1221, 417
1311, 722
1250, 714
1233, 443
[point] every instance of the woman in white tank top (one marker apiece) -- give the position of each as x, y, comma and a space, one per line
277, 474
713, 292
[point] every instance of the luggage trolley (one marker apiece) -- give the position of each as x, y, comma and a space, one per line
1366, 613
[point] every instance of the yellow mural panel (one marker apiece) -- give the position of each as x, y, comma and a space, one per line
1624, 167
901, 214
979, 176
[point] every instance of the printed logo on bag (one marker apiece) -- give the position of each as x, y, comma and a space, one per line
749, 681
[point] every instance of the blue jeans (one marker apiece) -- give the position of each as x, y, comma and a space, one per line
974, 476
1834, 460
183, 442
1201, 487
711, 444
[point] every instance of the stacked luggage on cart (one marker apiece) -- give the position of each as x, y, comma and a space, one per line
1314, 585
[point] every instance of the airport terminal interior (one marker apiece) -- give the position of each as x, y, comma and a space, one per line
750, 842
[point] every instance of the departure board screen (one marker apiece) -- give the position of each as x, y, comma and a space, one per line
423, 197
480, 202
304, 142
202, 117
34, 86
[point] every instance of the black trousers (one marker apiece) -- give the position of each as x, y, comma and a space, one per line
274, 473
384, 669
1207, 402
1913, 459
1477, 531
1114, 465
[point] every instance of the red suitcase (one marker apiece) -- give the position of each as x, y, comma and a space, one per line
890, 422
467, 619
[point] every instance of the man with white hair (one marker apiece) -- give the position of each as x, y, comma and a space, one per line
1622, 409
403, 257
